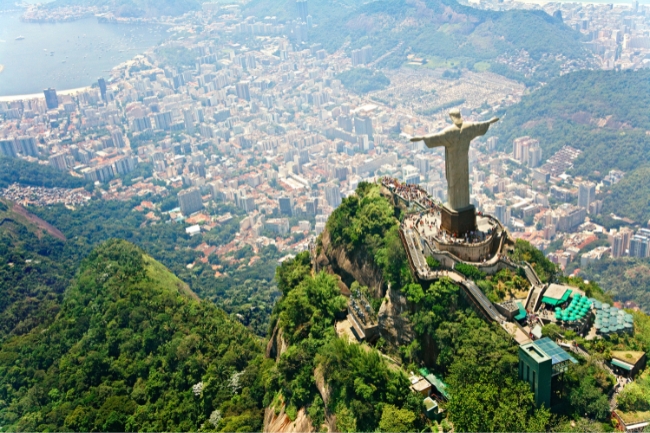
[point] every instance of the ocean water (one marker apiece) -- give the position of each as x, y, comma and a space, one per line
66, 55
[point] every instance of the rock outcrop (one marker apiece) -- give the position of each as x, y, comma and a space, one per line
350, 268
280, 423
277, 344
394, 325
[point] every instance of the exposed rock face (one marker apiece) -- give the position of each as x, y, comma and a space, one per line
394, 326
277, 344
350, 268
281, 423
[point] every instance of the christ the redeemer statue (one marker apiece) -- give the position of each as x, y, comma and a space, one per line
456, 139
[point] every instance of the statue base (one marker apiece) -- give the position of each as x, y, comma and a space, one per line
458, 222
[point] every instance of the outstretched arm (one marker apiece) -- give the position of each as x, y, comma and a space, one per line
478, 128
432, 140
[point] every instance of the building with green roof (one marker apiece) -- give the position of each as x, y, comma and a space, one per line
539, 361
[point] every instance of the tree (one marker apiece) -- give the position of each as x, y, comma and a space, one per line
552, 331
396, 420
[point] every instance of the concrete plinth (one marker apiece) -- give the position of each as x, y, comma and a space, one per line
458, 221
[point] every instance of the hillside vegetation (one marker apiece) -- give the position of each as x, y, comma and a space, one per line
440, 28
124, 354
631, 196
34, 272
15, 170
627, 279
362, 80
602, 113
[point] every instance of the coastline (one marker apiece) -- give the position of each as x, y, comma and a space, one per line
10, 98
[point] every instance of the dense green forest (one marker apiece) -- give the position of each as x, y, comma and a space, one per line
15, 170
245, 290
626, 279
631, 196
362, 80
602, 113
459, 32
131, 349
34, 272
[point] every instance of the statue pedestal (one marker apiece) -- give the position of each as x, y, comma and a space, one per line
458, 221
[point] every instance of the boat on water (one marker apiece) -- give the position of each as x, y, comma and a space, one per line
2, 68
20, 38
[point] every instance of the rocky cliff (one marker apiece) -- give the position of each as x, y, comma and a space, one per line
280, 422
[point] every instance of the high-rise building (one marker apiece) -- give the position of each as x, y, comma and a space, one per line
8, 148
163, 120
640, 246
140, 124
286, 206
491, 143
410, 175
332, 195
620, 241
58, 161
421, 162
28, 146
188, 118
362, 56
363, 126
521, 149
586, 194
190, 201
118, 138
534, 156
502, 213
51, 99
243, 90
302, 10
102, 87
341, 172
311, 206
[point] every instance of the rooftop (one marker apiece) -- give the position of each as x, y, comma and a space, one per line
630, 357
555, 352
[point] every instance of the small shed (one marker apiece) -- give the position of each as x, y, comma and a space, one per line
627, 362
432, 409
420, 385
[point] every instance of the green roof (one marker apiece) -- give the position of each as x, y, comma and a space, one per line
551, 301
623, 365
435, 381
522, 312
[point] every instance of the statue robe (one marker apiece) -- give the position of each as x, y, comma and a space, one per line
456, 142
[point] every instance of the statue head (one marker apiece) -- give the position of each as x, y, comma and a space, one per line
456, 117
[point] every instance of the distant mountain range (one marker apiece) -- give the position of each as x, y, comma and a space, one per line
441, 28
136, 8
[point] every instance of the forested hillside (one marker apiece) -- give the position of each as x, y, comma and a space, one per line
631, 196
245, 290
131, 349
627, 278
14, 170
34, 272
602, 113
463, 33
